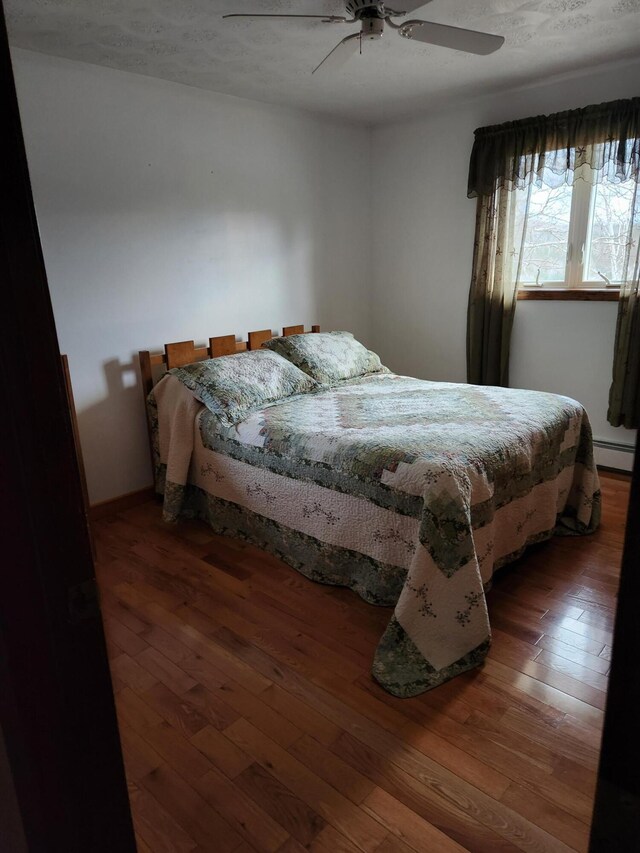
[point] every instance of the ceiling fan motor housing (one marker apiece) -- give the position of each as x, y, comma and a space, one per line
372, 28
371, 16
365, 9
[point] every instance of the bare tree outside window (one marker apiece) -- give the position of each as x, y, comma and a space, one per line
544, 254
577, 235
609, 232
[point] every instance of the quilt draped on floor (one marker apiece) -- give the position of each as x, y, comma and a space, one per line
412, 493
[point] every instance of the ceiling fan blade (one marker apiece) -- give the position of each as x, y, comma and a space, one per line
405, 6
343, 51
456, 38
326, 19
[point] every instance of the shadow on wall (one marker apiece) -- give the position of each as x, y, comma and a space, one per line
113, 431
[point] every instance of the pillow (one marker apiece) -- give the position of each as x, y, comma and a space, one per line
328, 356
234, 386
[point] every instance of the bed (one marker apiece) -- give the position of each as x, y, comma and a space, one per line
411, 493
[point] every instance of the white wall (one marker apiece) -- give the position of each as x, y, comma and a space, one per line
424, 226
170, 213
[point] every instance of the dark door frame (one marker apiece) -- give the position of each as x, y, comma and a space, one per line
616, 814
57, 711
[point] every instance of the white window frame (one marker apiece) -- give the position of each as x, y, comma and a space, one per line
580, 221
583, 194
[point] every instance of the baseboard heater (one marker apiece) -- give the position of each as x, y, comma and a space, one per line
613, 445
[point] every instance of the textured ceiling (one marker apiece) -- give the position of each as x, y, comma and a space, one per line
188, 42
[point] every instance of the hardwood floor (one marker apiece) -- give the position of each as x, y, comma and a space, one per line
250, 722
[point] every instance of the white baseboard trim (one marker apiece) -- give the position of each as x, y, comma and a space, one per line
115, 505
613, 454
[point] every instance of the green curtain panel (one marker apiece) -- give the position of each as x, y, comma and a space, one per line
544, 148
624, 396
547, 150
500, 225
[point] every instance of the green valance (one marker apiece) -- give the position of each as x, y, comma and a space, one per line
548, 149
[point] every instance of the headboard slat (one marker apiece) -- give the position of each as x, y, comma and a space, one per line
256, 339
222, 345
180, 353
292, 330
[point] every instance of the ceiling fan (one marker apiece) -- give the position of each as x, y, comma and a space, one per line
373, 16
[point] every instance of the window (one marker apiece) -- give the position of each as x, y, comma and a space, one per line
576, 236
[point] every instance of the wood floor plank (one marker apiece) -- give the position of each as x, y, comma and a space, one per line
221, 752
579, 627
576, 776
258, 713
177, 751
330, 767
573, 832
185, 645
583, 674
443, 701
293, 846
406, 825
423, 770
250, 722
211, 705
156, 826
529, 762
516, 758
603, 618
591, 597
329, 840
258, 828
559, 741
135, 711
124, 637
129, 671
606, 653
590, 736
140, 757
595, 662
278, 672
165, 670
585, 643
344, 634
211, 651
121, 612
392, 844
281, 803
485, 739
176, 710
141, 845
335, 808
473, 770
301, 714
438, 776
494, 698
441, 808
540, 688
206, 827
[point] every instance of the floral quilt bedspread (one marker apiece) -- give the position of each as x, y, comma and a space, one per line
410, 492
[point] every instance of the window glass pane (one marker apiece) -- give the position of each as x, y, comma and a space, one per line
609, 235
544, 253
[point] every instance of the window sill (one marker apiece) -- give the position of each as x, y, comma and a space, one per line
585, 294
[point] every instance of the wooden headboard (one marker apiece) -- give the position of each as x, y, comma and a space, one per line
153, 366
185, 352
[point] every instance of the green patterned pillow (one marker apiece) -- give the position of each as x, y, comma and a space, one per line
328, 357
234, 386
